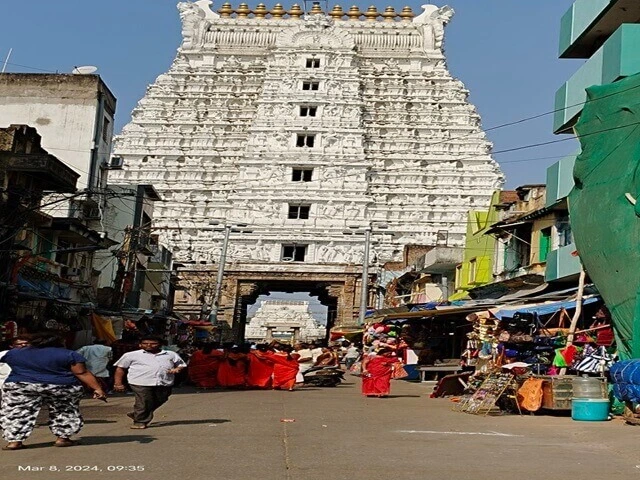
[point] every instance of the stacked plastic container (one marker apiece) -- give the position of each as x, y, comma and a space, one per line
590, 402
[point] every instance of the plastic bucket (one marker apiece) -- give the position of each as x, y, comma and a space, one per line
590, 409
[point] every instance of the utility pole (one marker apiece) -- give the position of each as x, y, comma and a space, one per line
364, 289
125, 261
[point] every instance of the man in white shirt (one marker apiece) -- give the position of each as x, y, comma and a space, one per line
305, 360
150, 372
98, 357
352, 355
316, 351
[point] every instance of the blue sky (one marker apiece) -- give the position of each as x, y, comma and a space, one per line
505, 51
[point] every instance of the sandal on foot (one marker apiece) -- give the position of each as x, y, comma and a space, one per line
138, 426
14, 446
64, 442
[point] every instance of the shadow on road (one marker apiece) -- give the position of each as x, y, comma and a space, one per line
101, 440
189, 422
98, 420
402, 396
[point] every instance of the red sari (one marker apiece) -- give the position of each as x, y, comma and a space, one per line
285, 370
378, 381
260, 370
233, 370
203, 368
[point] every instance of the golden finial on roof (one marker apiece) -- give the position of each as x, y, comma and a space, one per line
354, 13
243, 10
278, 11
225, 10
260, 11
389, 14
337, 13
316, 8
295, 12
371, 14
406, 14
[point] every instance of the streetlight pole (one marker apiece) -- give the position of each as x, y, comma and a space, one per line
213, 316
364, 289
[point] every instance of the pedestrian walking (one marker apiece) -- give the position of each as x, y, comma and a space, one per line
352, 355
150, 372
377, 370
204, 364
98, 357
285, 368
44, 372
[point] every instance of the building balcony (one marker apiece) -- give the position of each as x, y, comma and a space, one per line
617, 58
560, 180
562, 264
589, 23
52, 175
441, 260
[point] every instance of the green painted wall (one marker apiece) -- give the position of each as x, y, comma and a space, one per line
478, 246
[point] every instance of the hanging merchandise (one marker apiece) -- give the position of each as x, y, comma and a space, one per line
530, 394
558, 360
569, 353
598, 361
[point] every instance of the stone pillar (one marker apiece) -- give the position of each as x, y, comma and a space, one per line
228, 299
347, 303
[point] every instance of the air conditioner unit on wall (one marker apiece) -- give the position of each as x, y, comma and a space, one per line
116, 163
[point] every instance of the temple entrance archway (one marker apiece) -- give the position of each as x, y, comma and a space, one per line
336, 286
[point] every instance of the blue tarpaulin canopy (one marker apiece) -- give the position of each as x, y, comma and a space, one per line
540, 308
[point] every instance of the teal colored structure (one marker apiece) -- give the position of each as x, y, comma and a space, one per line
617, 58
604, 205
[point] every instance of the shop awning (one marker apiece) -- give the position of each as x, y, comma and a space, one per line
540, 308
423, 314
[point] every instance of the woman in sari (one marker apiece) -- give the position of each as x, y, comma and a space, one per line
203, 366
285, 368
260, 368
232, 372
376, 373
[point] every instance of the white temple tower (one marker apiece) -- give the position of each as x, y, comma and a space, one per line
303, 125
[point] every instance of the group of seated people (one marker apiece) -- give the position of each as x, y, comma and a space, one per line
262, 366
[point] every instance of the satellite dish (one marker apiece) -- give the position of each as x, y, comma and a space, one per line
84, 70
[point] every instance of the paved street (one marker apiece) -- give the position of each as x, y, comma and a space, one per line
337, 434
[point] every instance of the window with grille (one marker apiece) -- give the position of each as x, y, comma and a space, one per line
302, 175
304, 140
308, 111
310, 85
299, 212
313, 63
294, 253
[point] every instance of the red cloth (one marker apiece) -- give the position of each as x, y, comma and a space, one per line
260, 370
378, 380
285, 370
569, 354
233, 370
203, 368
